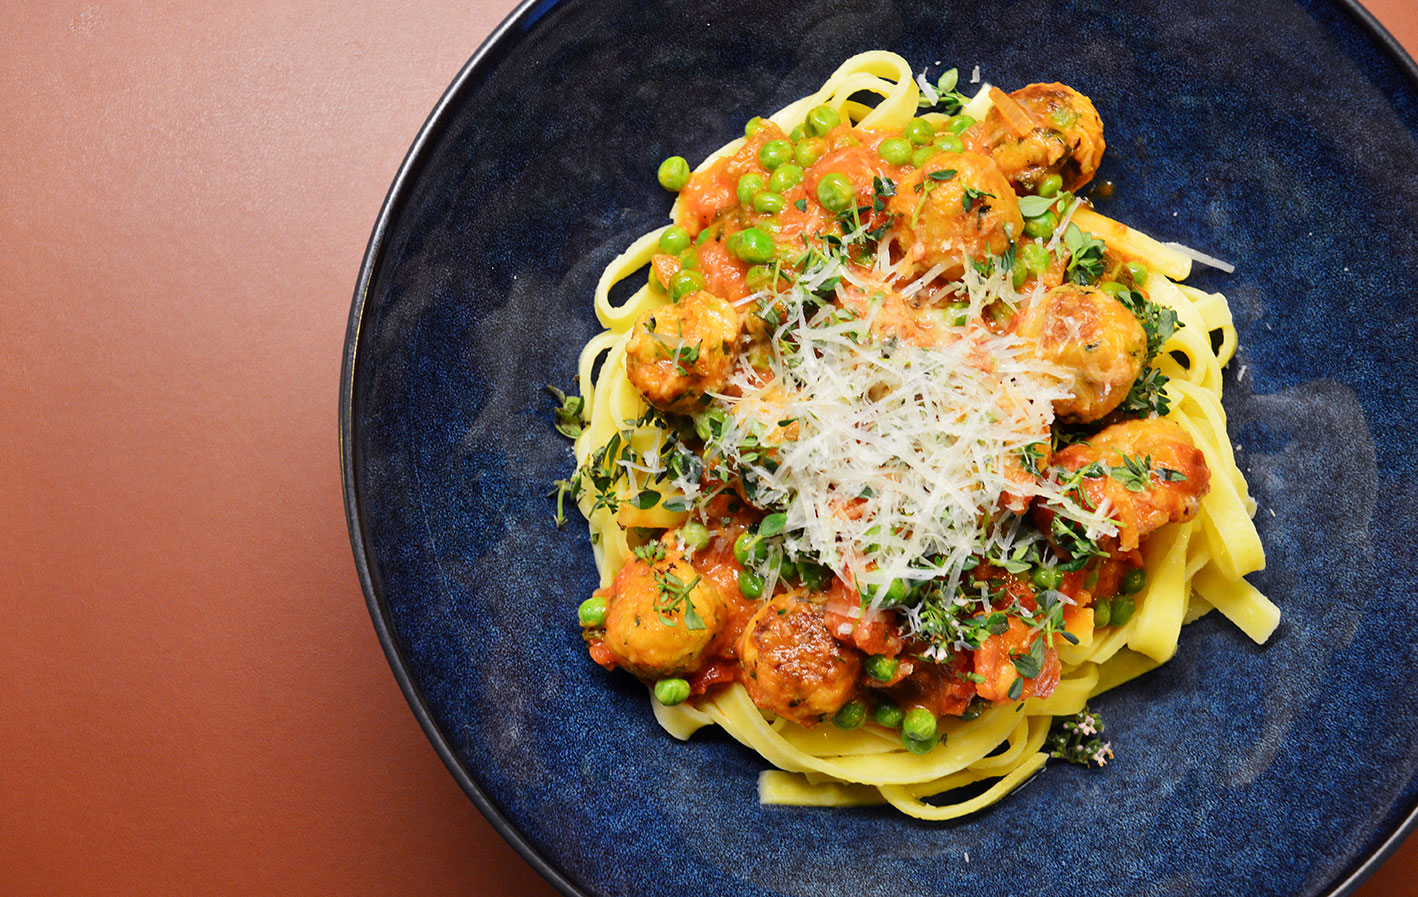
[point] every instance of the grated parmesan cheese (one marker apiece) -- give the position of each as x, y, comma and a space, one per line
900, 462
1209, 260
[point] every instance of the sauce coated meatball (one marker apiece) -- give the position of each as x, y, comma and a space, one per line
646, 631
1096, 338
1171, 490
955, 206
1045, 129
792, 664
677, 353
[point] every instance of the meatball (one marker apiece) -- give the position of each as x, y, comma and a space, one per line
1045, 129
1156, 475
678, 353
1095, 338
792, 664
956, 207
646, 630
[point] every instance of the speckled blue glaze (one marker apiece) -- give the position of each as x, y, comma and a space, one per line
1275, 133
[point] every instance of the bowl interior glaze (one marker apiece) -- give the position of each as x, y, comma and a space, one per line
1278, 134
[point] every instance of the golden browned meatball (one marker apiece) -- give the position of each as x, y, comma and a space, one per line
1045, 129
646, 630
1096, 338
792, 664
679, 352
956, 206
1156, 475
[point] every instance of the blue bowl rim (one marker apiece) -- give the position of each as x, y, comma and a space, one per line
520, 19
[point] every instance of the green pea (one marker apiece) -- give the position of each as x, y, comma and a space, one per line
592, 612
960, 124
916, 746
748, 185
918, 725
1102, 613
852, 715
895, 150
922, 155
887, 714
976, 707
796, 134
753, 125
1042, 226
1036, 257
760, 277
1112, 287
1139, 273
674, 240
919, 131
768, 202
1134, 581
815, 576
686, 282
748, 548
785, 177
881, 668
750, 583
671, 691
956, 313
674, 173
694, 535
689, 259
949, 143
1047, 577
896, 592
809, 151
1018, 272
1050, 185
835, 192
705, 235
822, 119
775, 153
755, 246
1123, 606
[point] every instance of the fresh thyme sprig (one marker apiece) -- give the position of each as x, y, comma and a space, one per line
1079, 739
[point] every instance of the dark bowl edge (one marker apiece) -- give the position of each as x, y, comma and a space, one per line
527, 9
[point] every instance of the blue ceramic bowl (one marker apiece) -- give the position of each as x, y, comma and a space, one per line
1280, 134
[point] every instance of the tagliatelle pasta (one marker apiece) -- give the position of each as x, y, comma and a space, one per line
904, 452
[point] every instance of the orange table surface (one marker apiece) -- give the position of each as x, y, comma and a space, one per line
193, 698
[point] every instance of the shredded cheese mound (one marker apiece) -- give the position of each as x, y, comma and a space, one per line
891, 460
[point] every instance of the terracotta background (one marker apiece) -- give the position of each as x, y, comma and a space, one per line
192, 699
